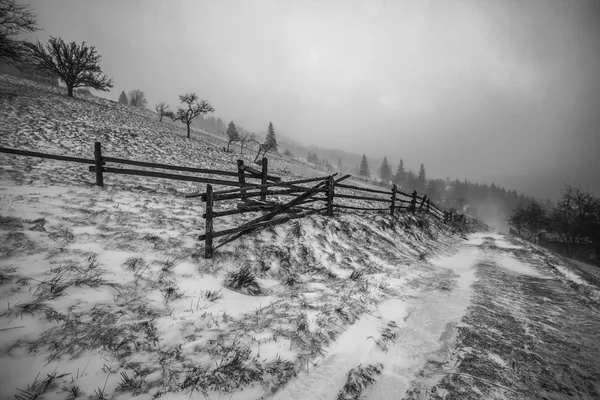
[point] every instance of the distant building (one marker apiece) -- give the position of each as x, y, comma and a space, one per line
27, 72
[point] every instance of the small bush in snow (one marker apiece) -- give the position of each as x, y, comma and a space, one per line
356, 275
172, 293
243, 281
213, 295
358, 379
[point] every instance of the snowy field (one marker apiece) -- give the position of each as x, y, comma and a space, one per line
104, 292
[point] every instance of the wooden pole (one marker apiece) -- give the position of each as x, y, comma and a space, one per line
428, 203
241, 176
393, 206
263, 178
422, 203
330, 195
98, 163
208, 238
413, 202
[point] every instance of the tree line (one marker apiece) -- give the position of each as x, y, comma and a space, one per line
575, 219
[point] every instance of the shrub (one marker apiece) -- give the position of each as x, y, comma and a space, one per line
243, 281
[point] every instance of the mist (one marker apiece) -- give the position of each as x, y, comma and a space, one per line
491, 91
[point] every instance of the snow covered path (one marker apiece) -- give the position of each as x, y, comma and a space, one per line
425, 321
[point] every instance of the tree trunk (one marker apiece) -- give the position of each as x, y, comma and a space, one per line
70, 90
188, 126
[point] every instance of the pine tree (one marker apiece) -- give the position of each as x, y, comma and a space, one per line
123, 98
232, 134
385, 172
400, 176
340, 166
421, 179
271, 140
364, 167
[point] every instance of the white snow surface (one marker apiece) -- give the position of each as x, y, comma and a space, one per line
426, 323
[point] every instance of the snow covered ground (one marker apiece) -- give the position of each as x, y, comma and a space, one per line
104, 292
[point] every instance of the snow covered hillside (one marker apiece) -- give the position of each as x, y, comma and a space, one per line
104, 292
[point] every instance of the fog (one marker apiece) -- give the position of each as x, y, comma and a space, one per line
491, 91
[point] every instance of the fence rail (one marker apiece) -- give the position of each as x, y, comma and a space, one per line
304, 200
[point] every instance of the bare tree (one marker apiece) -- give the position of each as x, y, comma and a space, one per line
262, 147
573, 218
76, 64
244, 139
14, 19
162, 109
137, 98
193, 110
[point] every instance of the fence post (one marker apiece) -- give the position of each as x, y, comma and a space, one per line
428, 202
263, 178
330, 194
393, 206
208, 236
98, 163
423, 202
413, 202
241, 176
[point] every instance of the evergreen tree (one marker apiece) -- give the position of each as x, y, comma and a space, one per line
364, 167
400, 176
421, 179
123, 98
232, 134
220, 126
271, 140
385, 171
340, 166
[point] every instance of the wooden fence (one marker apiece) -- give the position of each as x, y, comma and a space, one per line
254, 197
99, 168
304, 203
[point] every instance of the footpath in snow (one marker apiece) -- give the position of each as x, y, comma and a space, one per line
425, 329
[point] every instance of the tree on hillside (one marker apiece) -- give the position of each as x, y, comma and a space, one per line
232, 135
245, 140
340, 166
262, 147
194, 109
271, 140
385, 171
400, 175
15, 19
363, 170
137, 98
161, 109
220, 126
411, 180
421, 179
123, 98
77, 65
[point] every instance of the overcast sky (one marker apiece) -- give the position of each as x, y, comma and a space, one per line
504, 91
